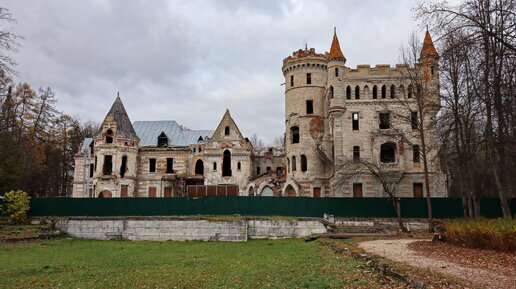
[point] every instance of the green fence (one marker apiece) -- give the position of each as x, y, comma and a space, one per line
257, 206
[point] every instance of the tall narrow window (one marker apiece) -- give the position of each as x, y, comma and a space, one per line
309, 107
393, 91
199, 167
384, 91
385, 120
355, 119
226, 130
152, 165
331, 92
304, 163
414, 120
348, 92
123, 166
239, 166
432, 70
416, 153
375, 92
356, 153
308, 78
258, 170
357, 92
214, 166
291, 80
107, 169
92, 170
293, 163
336, 72
226, 164
170, 165
409, 93
294, 134
268, 169
288, 165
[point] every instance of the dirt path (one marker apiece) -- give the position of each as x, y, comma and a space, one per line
398, 250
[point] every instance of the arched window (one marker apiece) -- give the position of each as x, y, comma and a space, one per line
384, 91
239, 166
123, 166
331, 92
226, 164
288, 165
366, 92
348, 92
410, 91
294, 134
393, 91
214, 166
357, 92
226, 130
293, 163
375, 92
199, 167
388, 153
402, 91
304, 163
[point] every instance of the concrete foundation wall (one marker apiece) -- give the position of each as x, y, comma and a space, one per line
189, 229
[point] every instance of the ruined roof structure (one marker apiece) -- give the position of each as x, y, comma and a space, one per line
124, 127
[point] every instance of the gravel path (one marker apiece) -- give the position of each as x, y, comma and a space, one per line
397, 250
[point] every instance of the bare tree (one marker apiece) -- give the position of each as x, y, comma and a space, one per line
256, 141
8, 43
279, 142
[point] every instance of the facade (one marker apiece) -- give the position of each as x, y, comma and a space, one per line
348, 130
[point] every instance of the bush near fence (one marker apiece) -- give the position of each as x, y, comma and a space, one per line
443, 208
498, 234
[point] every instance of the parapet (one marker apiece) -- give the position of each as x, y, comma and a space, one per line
299, 54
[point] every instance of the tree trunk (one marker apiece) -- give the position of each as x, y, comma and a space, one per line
396, 202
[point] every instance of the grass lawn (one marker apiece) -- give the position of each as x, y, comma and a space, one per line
73, 263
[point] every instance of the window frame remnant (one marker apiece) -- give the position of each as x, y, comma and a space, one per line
355, 120
384, 120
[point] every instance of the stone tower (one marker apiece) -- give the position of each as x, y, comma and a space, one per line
115, 148
305, 116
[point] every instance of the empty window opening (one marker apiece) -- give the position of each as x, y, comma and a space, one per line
258, 170
432, 70
388, 153
92, 170
107, 169
288, 165
109, 132
91, 148
375, 92
393, 91
95, 163
293, 163
294, 134
414, 120
239, 166
357, 190
214, 166
291, 80
200, 150
162, 140
409, 92
331, 92
356, 153
385, 120
194, 150
304, 163
123, 166
226, 164
308, 78
152, 165
199, 167
170, 165
384, 91
357, 92
419, 91
279, 171
109, 139
226, 130
418, 190
416, 154
268, 169
336, 72
355, 116
309, 107
348, 92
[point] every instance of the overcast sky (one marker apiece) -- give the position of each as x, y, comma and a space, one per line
190, 60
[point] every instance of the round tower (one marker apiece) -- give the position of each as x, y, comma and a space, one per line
305, 90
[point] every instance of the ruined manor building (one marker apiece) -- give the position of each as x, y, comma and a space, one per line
349, 132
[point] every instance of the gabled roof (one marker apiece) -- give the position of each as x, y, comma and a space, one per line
226, 120
124, 127
335, 52
428, 47
148, 131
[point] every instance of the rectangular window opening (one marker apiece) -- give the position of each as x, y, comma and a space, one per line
355, 119
416, 154
108, 165
152, 165
414, 120
291, 80
170, 166
309, 107
356, 153
308, 78
385, 122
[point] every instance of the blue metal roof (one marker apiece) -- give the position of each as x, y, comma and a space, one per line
86, 144
148, 132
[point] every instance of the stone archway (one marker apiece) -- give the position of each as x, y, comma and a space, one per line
199, 167
266, 191
290, 191
105, 194
251, 192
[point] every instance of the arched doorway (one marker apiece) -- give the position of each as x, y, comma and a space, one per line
105, 194
267, 192
251, 191
199, 167
290, 191
226, 164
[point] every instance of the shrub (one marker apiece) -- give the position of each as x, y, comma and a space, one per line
499, 234
17, 204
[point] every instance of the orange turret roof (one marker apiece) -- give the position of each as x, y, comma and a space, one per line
428, 47
335, 52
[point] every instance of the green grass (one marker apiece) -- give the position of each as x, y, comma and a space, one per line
73, 263
496, 234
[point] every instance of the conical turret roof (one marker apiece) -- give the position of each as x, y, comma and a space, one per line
124, 127
335, 52
428, 49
